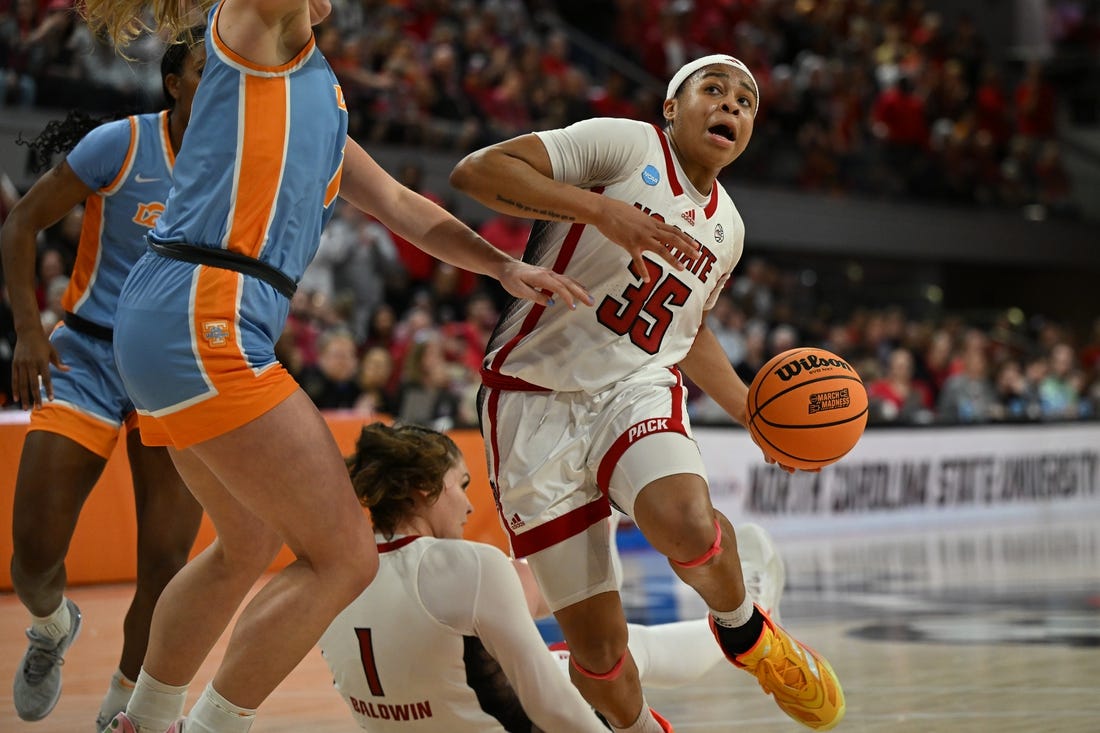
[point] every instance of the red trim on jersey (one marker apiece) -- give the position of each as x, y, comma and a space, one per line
712, 205
674, 182
492, 402
568, 248
560, 528
397, 544
670, 167
554, 531
624, 441
496, 380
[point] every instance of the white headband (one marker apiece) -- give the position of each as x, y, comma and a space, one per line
692, 66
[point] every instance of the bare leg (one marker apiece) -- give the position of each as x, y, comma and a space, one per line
168, 519
55, 476
197, 605
676, 516
595, 630
282, 472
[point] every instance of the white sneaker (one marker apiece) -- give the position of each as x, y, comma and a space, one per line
37, 685
762, 567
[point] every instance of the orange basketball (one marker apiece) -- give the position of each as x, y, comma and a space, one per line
807, 407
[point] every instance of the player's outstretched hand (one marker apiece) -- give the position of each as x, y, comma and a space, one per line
541, 285
638, 233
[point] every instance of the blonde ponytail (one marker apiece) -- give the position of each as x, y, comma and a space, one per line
123, 20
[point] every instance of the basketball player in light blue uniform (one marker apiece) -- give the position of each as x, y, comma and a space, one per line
122, 172
264, 160
240, 192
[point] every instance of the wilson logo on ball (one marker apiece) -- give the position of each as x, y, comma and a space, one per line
809, 363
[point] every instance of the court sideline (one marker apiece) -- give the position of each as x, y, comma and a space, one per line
983, 629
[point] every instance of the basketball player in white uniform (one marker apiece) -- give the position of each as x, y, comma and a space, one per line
582, 409
442, 639
442, 603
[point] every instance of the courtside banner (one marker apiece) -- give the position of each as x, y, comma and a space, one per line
912, 476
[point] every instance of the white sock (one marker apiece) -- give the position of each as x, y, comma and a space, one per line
214, 714
737, 617
118, 695
673, 654
645, 723
56, 625
154, 706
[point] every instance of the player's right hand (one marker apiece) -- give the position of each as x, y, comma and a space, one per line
638, 233
30, 368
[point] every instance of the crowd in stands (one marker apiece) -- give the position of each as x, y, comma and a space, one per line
375, 329
857, 96
882, 98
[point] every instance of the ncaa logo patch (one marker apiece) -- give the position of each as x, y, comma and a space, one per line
719, 233
216, 333
650, 176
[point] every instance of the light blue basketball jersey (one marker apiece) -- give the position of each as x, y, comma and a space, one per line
260, 166
128, 163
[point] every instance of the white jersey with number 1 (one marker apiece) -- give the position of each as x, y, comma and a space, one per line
442, 640
634, 325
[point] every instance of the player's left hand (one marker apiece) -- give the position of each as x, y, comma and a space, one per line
543, 286
772, 462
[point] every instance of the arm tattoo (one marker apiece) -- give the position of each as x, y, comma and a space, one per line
533, 210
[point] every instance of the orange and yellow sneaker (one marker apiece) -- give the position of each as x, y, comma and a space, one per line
665, 725
800, 680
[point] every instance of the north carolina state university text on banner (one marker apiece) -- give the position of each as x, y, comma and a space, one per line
919, 472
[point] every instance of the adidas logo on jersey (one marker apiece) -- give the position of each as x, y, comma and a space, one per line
515, 522
689, 217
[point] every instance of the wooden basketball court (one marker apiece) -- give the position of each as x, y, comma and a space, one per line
973, 630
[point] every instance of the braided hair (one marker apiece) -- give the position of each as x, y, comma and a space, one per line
60, 136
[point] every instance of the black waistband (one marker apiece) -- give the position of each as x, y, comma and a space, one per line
86, 327
223, 258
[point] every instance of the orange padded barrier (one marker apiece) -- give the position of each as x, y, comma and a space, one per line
102, 550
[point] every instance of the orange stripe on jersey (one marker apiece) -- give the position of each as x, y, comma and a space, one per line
124, 171
242, 394
260, 167
166, 140
333, 189
96, 435
87, 253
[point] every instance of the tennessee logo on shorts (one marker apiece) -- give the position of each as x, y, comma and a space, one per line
216, 333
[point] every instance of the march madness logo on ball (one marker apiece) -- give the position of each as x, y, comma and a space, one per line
832, 400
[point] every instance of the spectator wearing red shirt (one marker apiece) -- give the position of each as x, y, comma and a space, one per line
464, 341
509, 233
991, 103
1035, 104
898, 116
898, 119
897, 395
554, 60
612, 99
418, 264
